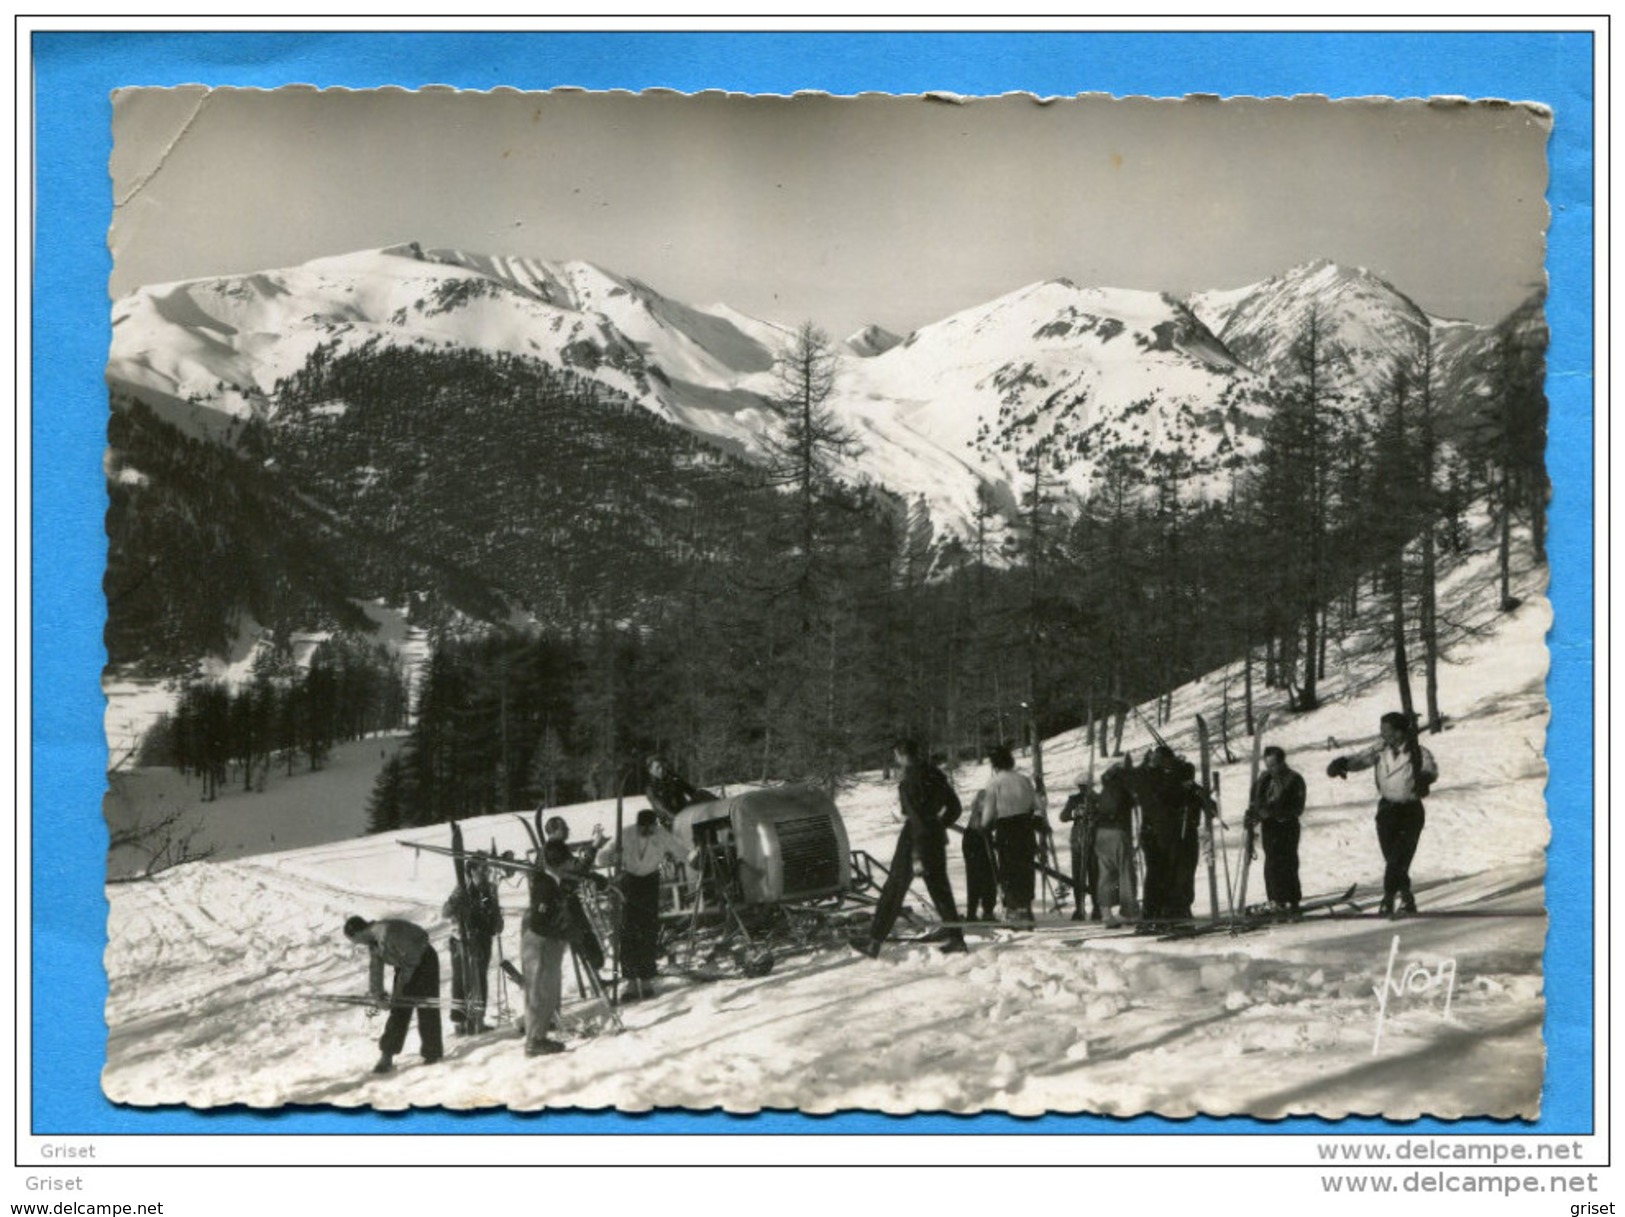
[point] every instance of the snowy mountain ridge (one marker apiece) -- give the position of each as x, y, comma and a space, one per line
1083, 371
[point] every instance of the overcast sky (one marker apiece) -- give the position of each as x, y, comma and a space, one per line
842, 211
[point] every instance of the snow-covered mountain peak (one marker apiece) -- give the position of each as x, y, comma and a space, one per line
871, 340
1364, 327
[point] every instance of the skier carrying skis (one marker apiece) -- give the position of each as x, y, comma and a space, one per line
558, 829
549, 928
1276, 807
981, 875
416, 985
573, 875
640, 854
1011, 809
1405, 772
929, 805
1080, 811
476, 915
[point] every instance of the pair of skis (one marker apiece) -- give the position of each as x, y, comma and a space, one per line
1210, 783
1263, 918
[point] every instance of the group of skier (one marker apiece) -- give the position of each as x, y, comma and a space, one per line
1005, 837
556, 919
1004, 850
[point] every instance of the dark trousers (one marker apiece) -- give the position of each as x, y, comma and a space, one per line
584, 943
422, 984
1399, 829
1083, 867
1162, 896
470, 971
1280, 839
930, 842
640, 926
1189, 862
981, 876
1016, 839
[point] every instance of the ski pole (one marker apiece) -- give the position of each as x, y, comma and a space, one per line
1140, 714
1229, 884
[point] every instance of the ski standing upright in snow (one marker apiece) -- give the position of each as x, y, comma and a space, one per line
1207, 785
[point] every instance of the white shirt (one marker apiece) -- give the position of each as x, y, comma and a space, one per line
1007, 794
1393, 770
641, 855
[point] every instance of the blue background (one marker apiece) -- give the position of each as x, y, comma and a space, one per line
74, 74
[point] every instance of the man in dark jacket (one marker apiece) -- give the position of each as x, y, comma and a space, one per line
476, 916
1276, 806
581, 883
1171, 806
549, 928
929, 805
416, 986
669, 793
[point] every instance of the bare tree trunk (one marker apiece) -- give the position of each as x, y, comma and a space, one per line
1247, 685
1507, 602
1311, 653
1430, 630
1402, 670
1325, 614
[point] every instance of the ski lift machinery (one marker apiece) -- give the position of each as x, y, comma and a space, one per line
771, 874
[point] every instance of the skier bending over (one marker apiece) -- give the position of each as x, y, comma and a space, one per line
406, 948
1276, 807
929, 806
1405, 772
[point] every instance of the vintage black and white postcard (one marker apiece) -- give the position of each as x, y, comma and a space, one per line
888, 603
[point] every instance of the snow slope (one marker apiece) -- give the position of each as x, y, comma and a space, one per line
211, 967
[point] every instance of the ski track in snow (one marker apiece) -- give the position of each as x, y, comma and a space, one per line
212, 966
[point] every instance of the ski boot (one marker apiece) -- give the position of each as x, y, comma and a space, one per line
386, 1064
866, 947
